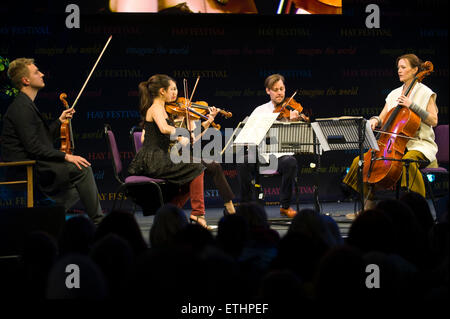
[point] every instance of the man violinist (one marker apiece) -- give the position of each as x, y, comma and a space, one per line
65, 178
287, 164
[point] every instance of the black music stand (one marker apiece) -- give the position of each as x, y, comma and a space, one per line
346, 133
292, 146
299, 145
251, 136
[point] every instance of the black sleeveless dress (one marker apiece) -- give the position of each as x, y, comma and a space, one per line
153, 159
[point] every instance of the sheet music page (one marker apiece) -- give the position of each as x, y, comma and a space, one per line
255, 129
319, 134
371, 138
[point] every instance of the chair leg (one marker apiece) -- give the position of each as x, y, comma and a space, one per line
297, 195
30, 195
430, 191
119, 189
160, 195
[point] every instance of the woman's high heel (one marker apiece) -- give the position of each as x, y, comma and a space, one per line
197, 220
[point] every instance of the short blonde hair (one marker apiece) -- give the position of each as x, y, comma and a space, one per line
18, 69
272, 79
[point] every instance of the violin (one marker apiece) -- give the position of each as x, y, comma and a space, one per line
203, 106
66, 134
385, 167
288, 105
179, 109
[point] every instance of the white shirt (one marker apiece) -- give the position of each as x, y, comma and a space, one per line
425, 143
268, 107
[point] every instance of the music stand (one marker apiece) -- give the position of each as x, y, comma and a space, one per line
251, 135
346, 133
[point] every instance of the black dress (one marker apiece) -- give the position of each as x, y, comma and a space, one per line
153, 159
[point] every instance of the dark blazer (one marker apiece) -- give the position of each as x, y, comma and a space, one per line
26, 136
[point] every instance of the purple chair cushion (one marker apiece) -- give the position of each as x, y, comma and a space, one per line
137, 141
115, 152
142, 179
434, 170
269, 172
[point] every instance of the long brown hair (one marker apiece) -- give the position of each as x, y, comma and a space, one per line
148, 90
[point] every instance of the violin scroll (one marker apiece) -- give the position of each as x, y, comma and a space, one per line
63, 97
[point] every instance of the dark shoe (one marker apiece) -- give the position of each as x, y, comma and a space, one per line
348, 192
288, 212
225, 212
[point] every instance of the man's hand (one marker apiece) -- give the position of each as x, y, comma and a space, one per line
66, 115
77, 160
294, 115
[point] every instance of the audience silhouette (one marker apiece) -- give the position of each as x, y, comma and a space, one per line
246, 260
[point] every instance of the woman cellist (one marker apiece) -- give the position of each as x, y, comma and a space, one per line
422, 101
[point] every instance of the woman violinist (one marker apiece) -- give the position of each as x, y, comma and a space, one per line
422, 101
153, 159
213, 169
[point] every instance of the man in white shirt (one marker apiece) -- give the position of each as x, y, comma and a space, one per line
287, 164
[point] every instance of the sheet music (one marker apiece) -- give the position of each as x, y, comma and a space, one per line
319, 134
255, 129
346, 127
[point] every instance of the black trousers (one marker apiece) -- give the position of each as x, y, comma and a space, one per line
65, 183
287, 167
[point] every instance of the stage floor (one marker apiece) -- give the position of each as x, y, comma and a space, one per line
337, 210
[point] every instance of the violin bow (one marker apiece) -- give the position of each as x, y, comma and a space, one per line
396, 134
92, 71
188, 101
280, 6
186, 105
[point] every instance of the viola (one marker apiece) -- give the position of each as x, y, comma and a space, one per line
385, 166
66, 134
179, 109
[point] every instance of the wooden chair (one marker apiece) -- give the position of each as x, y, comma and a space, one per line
29, 179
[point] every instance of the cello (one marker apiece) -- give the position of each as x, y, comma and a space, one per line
385, 167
